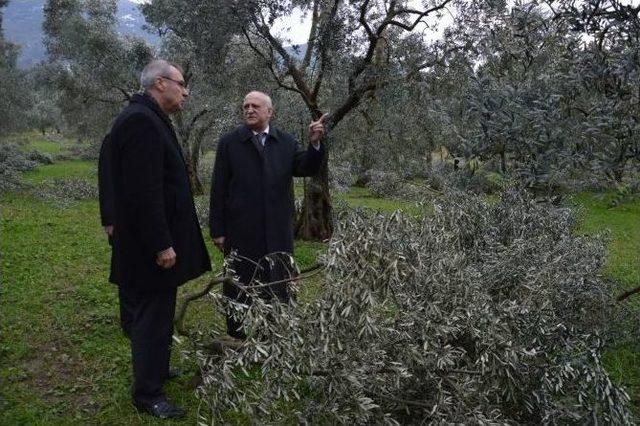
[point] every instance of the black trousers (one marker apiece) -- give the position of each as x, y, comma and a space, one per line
151, 331
264, 273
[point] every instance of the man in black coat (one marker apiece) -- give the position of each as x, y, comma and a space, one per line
157, 241
252, 210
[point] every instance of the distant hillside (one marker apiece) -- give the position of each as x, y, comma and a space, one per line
23, 25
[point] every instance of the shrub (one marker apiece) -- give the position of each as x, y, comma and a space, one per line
442, 177
12, 158
341, 177
12, 162
40, 157
384, 184
478, 313
9, 180
65, 191
84, 150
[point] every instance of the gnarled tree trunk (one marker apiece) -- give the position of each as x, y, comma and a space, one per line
316, 221
192, 159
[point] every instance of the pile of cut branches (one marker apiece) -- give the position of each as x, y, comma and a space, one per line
480, 312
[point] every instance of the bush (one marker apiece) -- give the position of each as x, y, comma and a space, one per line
442, 177
436, 178
12, 162
65, 191
478, 313
84, 150
12, 158
40, 157
384, 184
9, 180
341, 177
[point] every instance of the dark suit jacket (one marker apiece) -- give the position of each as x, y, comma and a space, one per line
153, 203
252, 192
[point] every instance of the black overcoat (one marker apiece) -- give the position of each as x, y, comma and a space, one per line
153, 202
252, 201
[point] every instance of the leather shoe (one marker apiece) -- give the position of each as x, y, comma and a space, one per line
162, 409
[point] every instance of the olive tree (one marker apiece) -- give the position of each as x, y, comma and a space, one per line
218, 71
609, 70
94, 68
549, 90
344, 59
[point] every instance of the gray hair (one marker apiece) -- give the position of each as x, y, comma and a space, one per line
154, 69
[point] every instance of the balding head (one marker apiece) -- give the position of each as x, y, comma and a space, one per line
257, 110
260, 95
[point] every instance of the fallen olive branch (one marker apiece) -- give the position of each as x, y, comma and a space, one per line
227, 279
628, 294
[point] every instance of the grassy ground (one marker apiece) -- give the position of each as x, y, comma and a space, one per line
623, 264
623, 224
35, 141
63, 359
70, 169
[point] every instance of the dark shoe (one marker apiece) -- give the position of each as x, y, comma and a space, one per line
162, 409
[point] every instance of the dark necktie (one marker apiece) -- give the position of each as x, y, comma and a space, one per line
259, 140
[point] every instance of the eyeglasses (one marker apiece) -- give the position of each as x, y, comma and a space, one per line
181, 83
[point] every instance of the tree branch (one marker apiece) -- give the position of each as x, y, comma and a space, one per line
295, 73
628, 294
180, 312
269, 63
312, 36
421, 14
324, 46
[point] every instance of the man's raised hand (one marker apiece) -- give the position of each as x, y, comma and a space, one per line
316, 130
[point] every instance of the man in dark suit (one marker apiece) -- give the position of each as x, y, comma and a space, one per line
252, 208
157, 242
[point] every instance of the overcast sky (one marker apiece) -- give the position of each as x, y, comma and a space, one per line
296, 27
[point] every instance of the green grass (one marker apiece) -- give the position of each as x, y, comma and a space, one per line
362, 197
72, 169
63, 359
623, 223
48, 147
623, 265
36, 141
